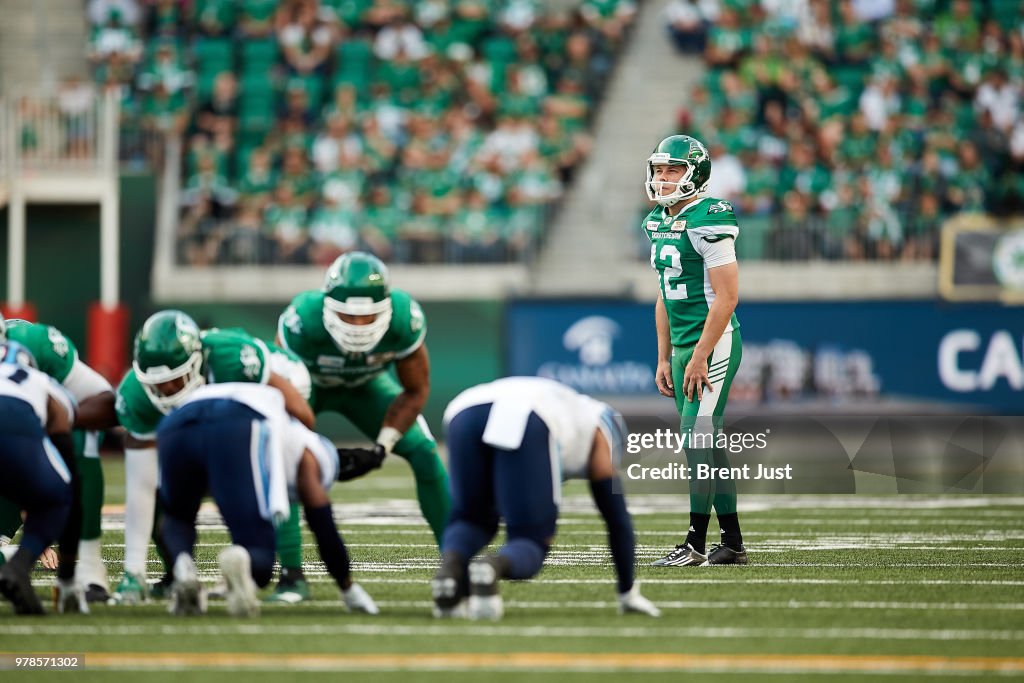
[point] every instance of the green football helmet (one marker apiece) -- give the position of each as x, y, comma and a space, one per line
679, 150
357, 284
169, 347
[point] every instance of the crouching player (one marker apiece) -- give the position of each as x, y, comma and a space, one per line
511, 442
35, 452
237, 441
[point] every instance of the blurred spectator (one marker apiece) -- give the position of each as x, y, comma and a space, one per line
879, 102
100, 11
114, 38
609, 17
207, 185
259, 179
923, 231
476, 231
419, 237
215, 17
334, 230
221, 108
244, 241
287, 225
873, 10
400, 38
728, 180
816, 31
165, 68
256, 18
381, 219
305, 35
76, 100
688, 22
967, 188
197, 233
726, 40
794, 236
1000, 98
329, 143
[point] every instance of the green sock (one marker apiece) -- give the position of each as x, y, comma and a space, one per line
92, 496
289, 541
435, 501
10, 518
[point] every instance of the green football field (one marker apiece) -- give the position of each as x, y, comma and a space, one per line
840, 588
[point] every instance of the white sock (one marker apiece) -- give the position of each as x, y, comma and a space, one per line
140, 474
91, 569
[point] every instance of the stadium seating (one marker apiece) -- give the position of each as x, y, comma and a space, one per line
914, 105
421, 94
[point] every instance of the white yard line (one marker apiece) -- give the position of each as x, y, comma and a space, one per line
477, 630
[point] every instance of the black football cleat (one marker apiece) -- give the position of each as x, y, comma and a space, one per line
94, 592
683, 556
450, 587
16, 587
723, 554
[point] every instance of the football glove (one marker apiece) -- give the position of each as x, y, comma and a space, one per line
632, 601
355, 462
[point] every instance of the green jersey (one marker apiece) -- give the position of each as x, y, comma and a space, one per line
683, 247
228, 356
54, 353
301, 329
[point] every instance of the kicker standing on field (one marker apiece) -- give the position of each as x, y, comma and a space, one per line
693, 249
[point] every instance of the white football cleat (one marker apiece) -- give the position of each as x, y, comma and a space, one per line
187, 595
236, 568
633, 601
358, 600
485, 602
69, 597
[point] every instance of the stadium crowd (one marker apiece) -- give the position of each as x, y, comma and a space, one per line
852, 129
420, 131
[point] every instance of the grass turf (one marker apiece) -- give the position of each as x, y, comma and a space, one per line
872, 588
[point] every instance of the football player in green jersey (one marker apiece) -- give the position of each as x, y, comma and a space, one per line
172, 358
350, 333
693, 249
57, 356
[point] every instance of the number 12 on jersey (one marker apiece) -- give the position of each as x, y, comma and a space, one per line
670, 266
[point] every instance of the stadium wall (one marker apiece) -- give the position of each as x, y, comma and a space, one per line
62, 266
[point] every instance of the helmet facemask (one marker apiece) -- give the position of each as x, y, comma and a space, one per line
352, 337
684, 188
191, 371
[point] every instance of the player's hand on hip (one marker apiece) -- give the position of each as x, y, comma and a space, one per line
695, 378
663, 378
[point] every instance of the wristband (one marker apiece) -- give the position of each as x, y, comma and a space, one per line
388, 437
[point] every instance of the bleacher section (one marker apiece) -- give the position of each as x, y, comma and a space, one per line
851, 129
422, 131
